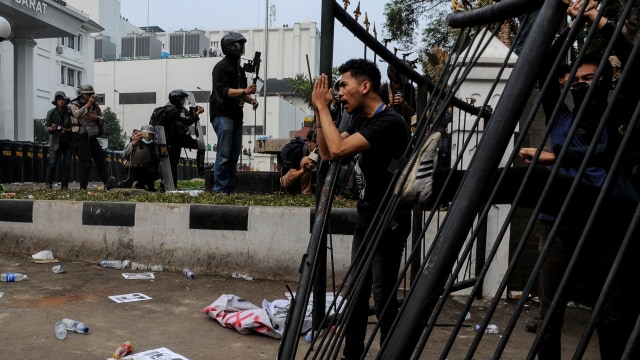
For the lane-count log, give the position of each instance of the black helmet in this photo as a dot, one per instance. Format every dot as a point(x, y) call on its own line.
point(176, 98)
point(233, 44)
point(86, 89)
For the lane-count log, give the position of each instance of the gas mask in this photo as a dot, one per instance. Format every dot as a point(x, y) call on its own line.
point(595, 107)
point(598, 97)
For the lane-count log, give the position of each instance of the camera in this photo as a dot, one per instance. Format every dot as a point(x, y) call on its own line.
point(397, 93)
point(99, 98)
point(314, 156)
point(60, 128)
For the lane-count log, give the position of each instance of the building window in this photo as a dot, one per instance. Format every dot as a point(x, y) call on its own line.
point(63, 74)
point(71, 42)
point(79, 47)
point(79, 77)
point(71, 77)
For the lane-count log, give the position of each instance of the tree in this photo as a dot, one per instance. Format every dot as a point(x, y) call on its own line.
point(112, 130)
point(40, 133)
point(302, 87)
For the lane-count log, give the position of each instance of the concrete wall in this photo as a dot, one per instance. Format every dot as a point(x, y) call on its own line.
point(262, 241)
point(265, 242)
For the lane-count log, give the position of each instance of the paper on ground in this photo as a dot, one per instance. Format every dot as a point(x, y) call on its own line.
point(139, 276)
point(129, 297)
point(155, 354)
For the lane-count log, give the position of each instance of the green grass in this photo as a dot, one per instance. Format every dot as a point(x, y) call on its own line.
point(40, 192)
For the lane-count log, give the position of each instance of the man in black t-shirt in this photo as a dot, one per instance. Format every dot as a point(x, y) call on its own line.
point(229, 93)
point(376, 136)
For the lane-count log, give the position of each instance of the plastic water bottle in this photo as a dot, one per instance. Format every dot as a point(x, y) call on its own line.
point(123, 350)
point(188, 273)
point(61, 330)
point(11, 277)
point(309, 336)
point(117, 264)
point(76, 326)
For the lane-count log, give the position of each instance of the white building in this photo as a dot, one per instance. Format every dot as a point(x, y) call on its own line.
point(57, 45)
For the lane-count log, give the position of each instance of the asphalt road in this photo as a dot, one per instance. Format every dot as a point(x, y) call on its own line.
point(173, 317)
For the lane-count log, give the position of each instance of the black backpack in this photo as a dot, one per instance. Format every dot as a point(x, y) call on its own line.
point(291, 152)
point(158, 115)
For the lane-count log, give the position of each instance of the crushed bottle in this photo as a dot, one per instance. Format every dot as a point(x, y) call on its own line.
point(123, 350)
point(188, 273)
point(61, 330)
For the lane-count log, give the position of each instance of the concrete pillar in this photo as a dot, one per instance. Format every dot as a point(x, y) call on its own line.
point(475, 89)
point(23, 88)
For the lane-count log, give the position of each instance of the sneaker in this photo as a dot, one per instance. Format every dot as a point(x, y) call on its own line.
point(419, 183)
point(111, 183)
point(428, 161)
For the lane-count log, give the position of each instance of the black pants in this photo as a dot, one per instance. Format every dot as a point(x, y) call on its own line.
point(380, 277)
point(175, 144)
point(87, 149)
point(143, 176)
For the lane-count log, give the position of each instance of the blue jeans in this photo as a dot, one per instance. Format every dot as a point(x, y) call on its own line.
point(64, 151)
point(229, 133)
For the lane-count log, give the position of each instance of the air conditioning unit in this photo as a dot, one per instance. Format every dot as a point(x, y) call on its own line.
point(59, 49)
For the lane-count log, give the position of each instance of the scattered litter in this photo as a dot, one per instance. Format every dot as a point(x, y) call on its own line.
point(43, 255)
point(159, 353)
point(468, 316)
point(139, 276)
point(58, 269)
point(515, 295)
point(157, 268)
point(125, 263)
point(129, 297)
point(138, 266)
point(14, 264)
point(193, 193)
point(117, 264)
point(237, 313)
point(239, 275)
point(1, 294)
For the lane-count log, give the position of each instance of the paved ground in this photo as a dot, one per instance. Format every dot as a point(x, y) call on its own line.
point(171, 319)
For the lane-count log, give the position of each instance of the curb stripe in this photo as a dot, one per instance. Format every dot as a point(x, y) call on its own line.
point(16, 211)
point(108, 214)
point(218, 217)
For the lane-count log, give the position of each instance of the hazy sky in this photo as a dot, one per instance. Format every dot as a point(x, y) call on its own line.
point(172, 15)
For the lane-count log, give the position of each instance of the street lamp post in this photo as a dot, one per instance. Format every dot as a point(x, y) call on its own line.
point(123, 128)
point(207, 126)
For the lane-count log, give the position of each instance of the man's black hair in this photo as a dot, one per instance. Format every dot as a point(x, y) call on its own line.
point(563, 70)
point(311, 136)
point(607, 72)
point(363, 69)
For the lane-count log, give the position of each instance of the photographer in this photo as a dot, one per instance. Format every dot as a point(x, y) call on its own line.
point(58, 123)
point(303, 161)
point(142, 160)
point(87, 124)
point(181, 114)
point(399, 94)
